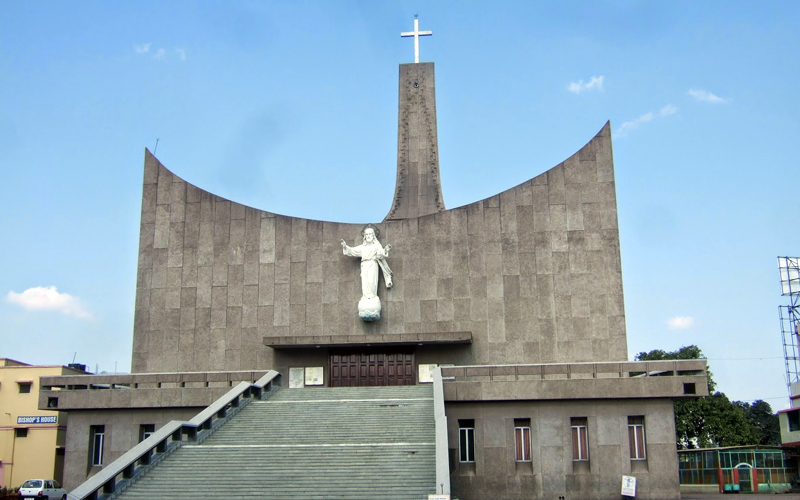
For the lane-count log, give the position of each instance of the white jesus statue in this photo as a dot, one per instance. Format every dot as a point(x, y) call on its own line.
point(373, 261)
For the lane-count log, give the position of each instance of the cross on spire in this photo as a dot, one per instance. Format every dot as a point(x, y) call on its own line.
point(416, 34)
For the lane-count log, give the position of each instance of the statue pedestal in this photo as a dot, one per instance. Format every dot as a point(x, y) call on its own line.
point(369, 309)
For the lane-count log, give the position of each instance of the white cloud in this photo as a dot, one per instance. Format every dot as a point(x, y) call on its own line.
point(680, 323)
point(669, 109)
point(594, 83)
point(49, 299)
point(159, 53)
point(705, 96)
point(627, 127)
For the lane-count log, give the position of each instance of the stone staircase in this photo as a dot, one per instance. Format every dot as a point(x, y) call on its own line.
point(313, 443)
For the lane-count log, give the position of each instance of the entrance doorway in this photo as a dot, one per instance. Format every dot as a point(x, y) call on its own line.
point(361, 367)
point(745, 478)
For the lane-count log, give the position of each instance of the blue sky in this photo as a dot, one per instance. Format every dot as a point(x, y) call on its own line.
point(290, 106)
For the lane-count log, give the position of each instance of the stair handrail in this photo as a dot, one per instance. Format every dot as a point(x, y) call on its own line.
point(166, 439)
point(442, 453)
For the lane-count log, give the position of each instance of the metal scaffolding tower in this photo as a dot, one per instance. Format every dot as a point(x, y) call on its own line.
point(790, 321)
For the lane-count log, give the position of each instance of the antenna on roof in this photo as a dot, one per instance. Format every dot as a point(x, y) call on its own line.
point(75, 356)
point(155, 148)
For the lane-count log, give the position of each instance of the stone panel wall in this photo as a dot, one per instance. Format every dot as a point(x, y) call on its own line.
point(121, 434)
point(533, 272)
point(552, 471)
point(418, 190)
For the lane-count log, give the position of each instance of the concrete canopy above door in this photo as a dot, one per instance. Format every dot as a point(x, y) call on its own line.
point(369, 340)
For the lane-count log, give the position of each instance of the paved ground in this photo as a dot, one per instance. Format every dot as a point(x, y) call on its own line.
point(760, 496)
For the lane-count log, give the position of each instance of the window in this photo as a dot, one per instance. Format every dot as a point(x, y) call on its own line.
point(794, 420)
point(21, 432)
point(145, 431)
point(97, 439)
point(522, 439)
point(466, 440)
point(580, 439)
point(636, 438)
point(24, 387)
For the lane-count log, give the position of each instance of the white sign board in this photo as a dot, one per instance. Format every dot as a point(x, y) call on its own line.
point(296, 378)
point(426, 373)
point(628, 486)
point(314, 375)
point(440, 496)
point(50, 419)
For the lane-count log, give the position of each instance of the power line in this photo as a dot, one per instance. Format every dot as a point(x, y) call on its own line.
point(743, 359)
point(764, 399)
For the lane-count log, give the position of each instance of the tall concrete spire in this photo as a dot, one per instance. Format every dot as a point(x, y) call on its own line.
point(418, 190)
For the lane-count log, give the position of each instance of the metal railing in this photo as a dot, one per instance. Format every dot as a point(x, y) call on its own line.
point(123, 471)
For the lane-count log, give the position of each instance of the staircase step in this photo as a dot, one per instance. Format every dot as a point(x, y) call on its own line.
point(319, 443)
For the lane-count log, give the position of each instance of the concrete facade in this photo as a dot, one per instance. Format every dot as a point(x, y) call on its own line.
point(122, 404)
point(789, 421)
point(493, 400)
point(122, 429)
point(418, 190)
point(551, 472)
point(521, 291)
point(532, 273)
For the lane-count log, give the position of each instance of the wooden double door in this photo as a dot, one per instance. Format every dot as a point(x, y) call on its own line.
point(352, 368)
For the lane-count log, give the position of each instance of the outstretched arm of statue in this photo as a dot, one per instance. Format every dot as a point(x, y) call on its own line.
point(386, 250)
point(350, 251)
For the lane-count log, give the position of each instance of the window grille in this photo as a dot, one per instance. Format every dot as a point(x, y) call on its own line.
point(580, 439)
point(466, 440)
point(97, 440)
point(636, 438)
point(522, 439)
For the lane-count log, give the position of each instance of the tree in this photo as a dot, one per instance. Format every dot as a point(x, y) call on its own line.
point(765, 420)
point(714, 420)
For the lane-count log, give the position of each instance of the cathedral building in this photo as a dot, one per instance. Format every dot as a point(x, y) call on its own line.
point(517, 300)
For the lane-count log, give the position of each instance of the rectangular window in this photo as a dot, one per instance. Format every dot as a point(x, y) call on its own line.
point(794, 420)
point(522, 439)
point(21, 432)
point(466, 440)
point(636, 438)
point(145, 431)
point(580, 439)
point(24, 387)
point(96, 441)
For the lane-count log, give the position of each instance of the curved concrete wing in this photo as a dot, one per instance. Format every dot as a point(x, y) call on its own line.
point(531, 275)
